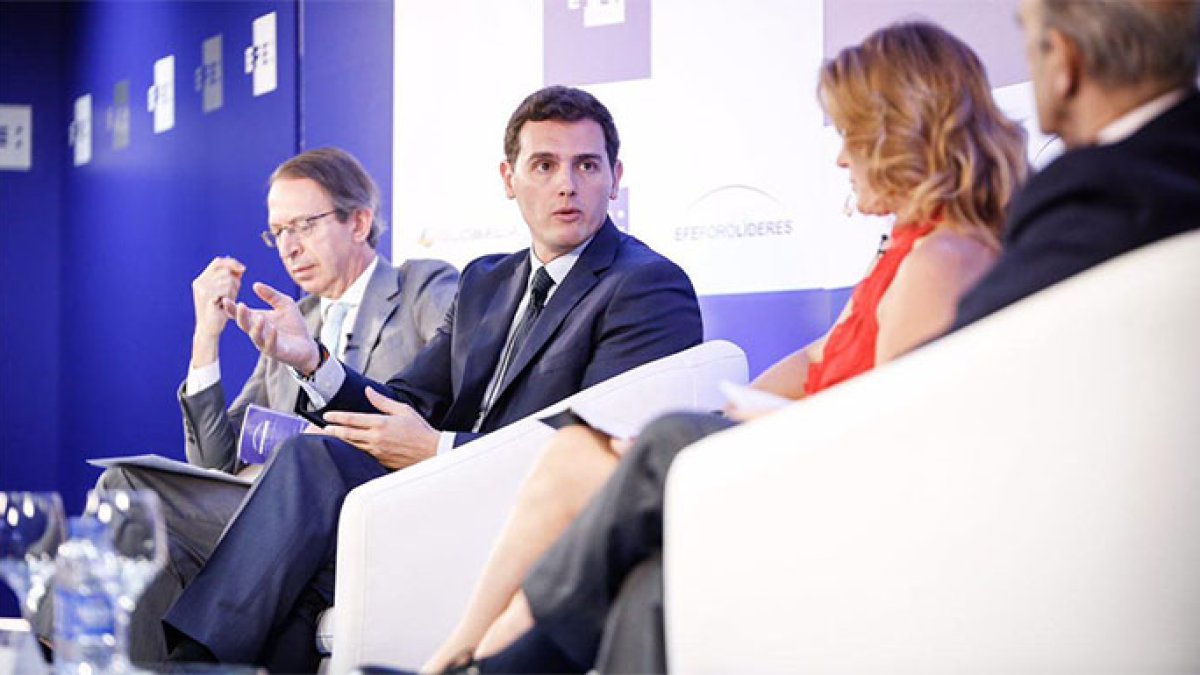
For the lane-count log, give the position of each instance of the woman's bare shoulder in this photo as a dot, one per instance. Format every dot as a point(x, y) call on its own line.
point(948, 252)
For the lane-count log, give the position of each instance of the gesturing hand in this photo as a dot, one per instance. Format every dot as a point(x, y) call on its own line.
point(279, 332)
point(397, 438)
point(221, 279)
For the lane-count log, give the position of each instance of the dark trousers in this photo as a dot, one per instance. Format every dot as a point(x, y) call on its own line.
point(572, 588)
point(257, 599)
point(635, 634)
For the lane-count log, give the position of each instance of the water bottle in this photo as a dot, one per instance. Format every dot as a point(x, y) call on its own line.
point(84, 622)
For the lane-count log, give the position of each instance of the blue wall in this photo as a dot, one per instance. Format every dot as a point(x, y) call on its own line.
point(142, 221)
point(96, 261)
point(31, 217)
point(30, 239)
point(769, 326)
point(346, 84)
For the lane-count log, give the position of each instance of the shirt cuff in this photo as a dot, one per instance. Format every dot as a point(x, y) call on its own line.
point(324, 384)
point(445, 442)
point(199, 379)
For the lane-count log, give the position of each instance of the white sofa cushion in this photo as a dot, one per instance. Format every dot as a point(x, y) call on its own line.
point(1022, 496)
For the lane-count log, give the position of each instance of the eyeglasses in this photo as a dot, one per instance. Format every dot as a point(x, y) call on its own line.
point(297, 227)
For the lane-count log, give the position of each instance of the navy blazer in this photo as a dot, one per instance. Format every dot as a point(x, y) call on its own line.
point(1095, 203)
point(621, 305)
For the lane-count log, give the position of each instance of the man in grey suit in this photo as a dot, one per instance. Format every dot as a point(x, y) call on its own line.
point(324, 221)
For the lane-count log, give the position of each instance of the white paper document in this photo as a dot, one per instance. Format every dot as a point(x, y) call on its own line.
point(169, 465)
point(752, 401)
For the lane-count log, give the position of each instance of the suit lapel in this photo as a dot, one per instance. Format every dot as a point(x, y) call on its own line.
point(597, 257)
point(378, 304)
point(488, 341)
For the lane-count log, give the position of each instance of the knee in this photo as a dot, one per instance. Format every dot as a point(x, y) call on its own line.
point(313, 457)
point(574, 457)
point(666, 436)
point(294, 457)
point(569, 449)
point(302, 449)
point(114, 478)
point(668, 426)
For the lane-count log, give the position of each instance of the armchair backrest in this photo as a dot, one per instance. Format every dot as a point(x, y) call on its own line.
point(1021, 496)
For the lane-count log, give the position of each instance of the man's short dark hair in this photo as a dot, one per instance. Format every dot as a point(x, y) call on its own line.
point(344, 178)
point(560, 104)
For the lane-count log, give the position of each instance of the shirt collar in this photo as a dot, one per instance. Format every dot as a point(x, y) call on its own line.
point(1128, 124)
point(560, 266)
point(354, 295)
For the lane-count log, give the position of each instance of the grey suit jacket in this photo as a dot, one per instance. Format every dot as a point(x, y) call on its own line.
point(402, 309)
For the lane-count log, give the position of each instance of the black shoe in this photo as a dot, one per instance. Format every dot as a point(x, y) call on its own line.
point(47, 648)
point(188, 650)
point(463, 664)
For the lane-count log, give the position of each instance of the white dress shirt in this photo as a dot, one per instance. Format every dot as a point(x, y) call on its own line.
point(1131, 122)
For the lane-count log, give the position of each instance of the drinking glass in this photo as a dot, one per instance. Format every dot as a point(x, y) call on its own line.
point(138, 535)
point(32, 526)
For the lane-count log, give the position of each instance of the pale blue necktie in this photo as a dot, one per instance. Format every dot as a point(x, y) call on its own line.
point(331, 329)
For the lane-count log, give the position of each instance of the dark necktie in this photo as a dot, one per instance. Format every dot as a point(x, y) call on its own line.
point(538, 290)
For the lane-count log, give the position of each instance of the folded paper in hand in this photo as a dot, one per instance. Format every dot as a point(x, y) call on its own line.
point(617, 427)
point(263, 430)
point(752, 401)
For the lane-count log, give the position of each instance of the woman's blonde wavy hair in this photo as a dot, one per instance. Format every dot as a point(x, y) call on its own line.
point(915, 102)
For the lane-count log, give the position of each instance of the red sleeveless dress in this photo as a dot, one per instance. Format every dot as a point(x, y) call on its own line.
point(850, 349)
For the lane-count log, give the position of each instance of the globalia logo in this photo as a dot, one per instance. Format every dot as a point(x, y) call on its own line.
point(595, 41)
point(432, 236)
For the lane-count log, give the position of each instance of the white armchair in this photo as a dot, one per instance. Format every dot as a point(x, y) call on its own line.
point(412, 544)
point(1020, 497)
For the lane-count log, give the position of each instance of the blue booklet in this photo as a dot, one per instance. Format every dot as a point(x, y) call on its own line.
point(263, 430)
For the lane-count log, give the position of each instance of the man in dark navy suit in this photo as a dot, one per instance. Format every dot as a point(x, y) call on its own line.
point(583, 304)
point(1116, 80)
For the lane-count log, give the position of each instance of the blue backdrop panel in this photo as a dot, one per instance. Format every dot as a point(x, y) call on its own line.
point(142, 221)
point(30, 238)
point(769, 326)
point(30, 225)
point(346, 85)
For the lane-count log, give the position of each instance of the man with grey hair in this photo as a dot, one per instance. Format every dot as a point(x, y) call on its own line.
point(324, 221)
point(1116, 80)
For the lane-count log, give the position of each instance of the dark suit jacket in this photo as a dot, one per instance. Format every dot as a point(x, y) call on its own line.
point(401, 311)
point(621, 305)
point(1093, 204)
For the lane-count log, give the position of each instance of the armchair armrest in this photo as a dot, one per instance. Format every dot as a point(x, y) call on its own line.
point(412, 544)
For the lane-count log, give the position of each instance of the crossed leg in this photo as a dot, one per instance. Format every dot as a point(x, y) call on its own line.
point(572, 468)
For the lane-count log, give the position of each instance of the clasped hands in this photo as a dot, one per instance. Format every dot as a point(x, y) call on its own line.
point(396, 437)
